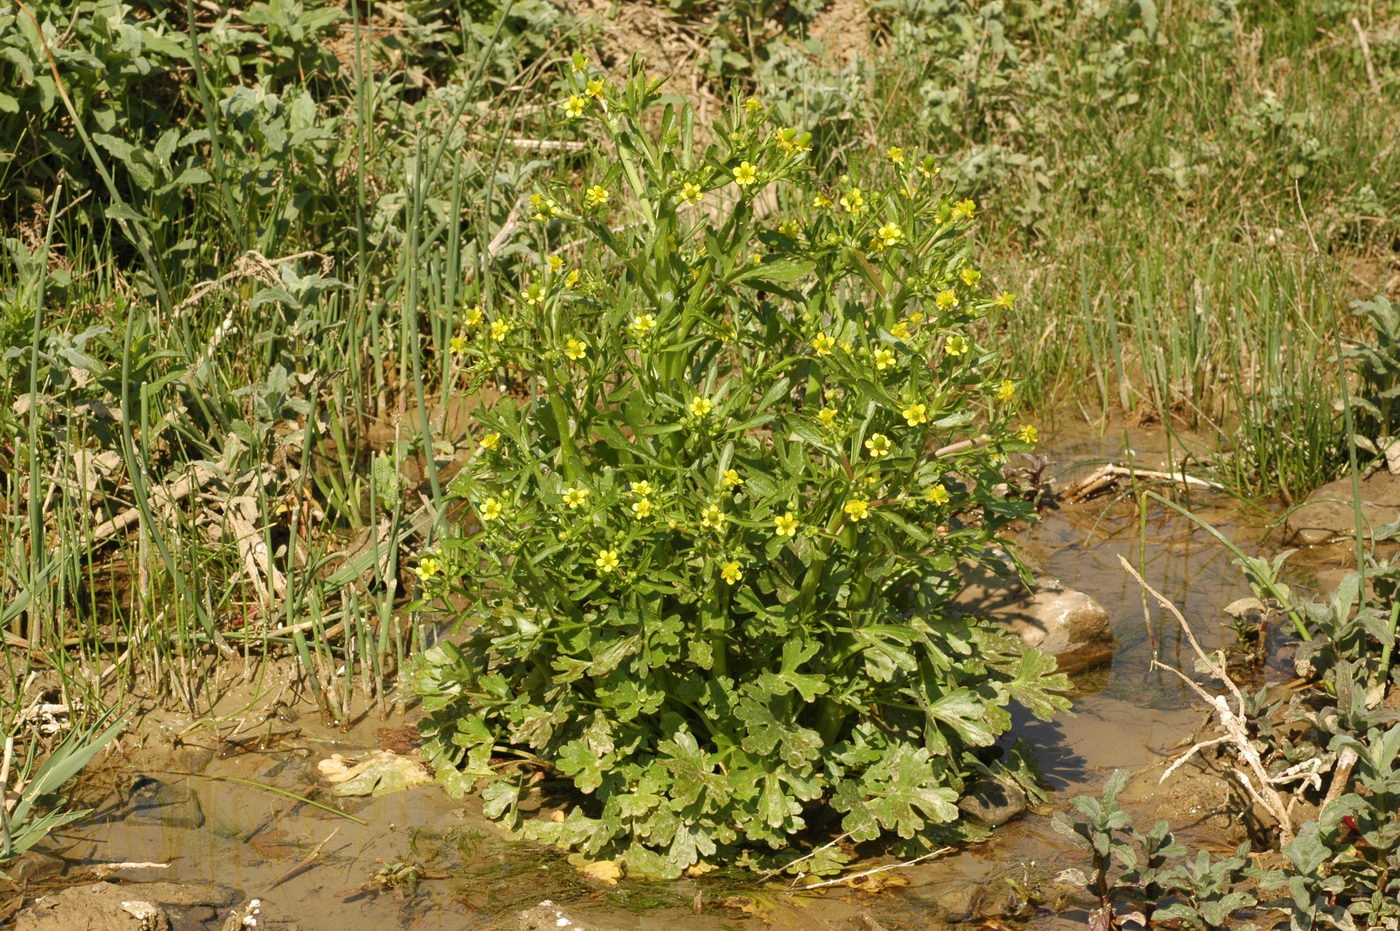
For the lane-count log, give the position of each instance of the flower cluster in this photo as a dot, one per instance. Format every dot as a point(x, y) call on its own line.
point(717, 538)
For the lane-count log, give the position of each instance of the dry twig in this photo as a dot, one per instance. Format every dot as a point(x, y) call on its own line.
point(1107, 476)
point(1261, 788)
point(879, 869)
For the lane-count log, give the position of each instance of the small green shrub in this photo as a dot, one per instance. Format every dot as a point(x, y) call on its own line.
point(716, 544)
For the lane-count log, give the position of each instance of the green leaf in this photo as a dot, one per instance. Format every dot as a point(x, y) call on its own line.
point(764, 731)
point(901, 793)
point(788, 679)
point(693, 771)
point(1038, 687)
point(966, 715)
point(499, 797)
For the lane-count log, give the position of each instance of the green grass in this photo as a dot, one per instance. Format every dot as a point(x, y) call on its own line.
point(1181, 207)
point(1184, 208)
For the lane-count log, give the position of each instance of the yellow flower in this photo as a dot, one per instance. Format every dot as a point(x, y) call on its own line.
point(491, 441)
point(857, 509)
point(955, 345)
point(937, 494)
point(752, 105)
point(1027, 434)
point(595, 88)
point(853, 202)
point(642, 508)
point(731, 479)
point(699, 407)
point(731, 571)
point(877, 445)
point(745, 174)
point(642, 489)
point(457, 345)
point(607, 561)
point(555, 263)
point(916, 318)
point(970, 276)
point(822, 344)
point(827, 415)
point(576, 497)
point(895, 154)
point(643, 324)
point(946, 299)
point(578, 62)
point(571, 278)
point(1004, 300)
point(916, 414)
point(533, 293)
point(596, 196)
point(928, 167)
point(820, 201)
point(490, 510)
point(690, 192)
point(573, 107)
point(790, 228)
point(1006, 390)
point(900, 330)
point(786, 525)
point(964, 208)
point(712, 517)
point(427, 568)
point(575, 349)
point(889, 234)
point(474, 316)
point(790, 141)
point(884, 358)
point(500, 330)
point(545, 207)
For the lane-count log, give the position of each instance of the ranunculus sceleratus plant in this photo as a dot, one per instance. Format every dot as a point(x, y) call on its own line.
point(715, 541)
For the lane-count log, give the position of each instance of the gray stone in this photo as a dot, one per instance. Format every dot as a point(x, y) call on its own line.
point(169, 804)
point(993, 802)
point(1327, 514)
point(1052, 618)
point(549, 917)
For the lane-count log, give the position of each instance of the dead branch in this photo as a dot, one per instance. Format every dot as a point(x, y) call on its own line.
point(1107, 476)
point(1261, 788)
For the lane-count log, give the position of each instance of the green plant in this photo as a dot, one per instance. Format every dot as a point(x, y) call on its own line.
point(1378, 364)
point(38, 808)
point(722, 512)
point(1100, 831)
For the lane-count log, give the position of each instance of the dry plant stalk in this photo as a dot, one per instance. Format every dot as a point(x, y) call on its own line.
point(1261, 787)
point(1107, 476)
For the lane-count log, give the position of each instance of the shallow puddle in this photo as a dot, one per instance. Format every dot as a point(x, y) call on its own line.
point(421, 860)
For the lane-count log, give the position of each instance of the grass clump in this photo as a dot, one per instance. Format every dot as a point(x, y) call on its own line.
point(716, 552)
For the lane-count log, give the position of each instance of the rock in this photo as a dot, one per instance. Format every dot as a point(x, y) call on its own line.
point(956, 902)
point(96, 907)
point(1067, 624)
point(993, 802)
point(33, 865)
point(1327, 514)
point(548, 917)
point(169, 804)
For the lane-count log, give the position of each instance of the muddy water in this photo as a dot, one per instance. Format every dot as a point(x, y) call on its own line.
point(424, 861)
